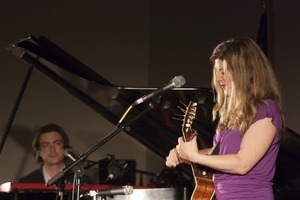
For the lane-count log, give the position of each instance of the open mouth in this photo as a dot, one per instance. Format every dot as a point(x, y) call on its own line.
point(222, 86)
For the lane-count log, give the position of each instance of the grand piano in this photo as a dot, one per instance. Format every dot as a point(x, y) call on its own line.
point(155, 116)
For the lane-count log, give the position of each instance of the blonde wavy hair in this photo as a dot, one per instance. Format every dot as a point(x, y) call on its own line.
point(252, 81)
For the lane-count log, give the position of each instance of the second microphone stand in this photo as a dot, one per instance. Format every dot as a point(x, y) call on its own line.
point(56, 179)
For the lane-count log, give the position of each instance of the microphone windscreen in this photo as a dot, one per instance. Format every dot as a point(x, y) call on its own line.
point(178, 81)
point(67, 151)
point(128, 190)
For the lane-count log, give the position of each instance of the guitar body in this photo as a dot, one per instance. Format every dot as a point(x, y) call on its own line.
point(204, 186)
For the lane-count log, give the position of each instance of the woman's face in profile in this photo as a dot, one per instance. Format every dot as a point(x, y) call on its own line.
point(221, 76)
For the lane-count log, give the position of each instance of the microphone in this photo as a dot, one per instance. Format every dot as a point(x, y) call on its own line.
point(124, 190)
point(69, 153)
point(116, 168)
point(78, 170)
point(177, 81)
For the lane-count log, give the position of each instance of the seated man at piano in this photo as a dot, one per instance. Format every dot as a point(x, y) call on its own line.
point(49, 146)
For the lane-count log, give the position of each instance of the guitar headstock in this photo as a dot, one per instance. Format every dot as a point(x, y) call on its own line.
point(189, 116)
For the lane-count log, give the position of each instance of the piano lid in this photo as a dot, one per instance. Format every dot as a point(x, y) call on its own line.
point(156, 129)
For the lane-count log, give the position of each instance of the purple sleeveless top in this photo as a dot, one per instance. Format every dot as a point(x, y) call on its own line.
point(257, 183)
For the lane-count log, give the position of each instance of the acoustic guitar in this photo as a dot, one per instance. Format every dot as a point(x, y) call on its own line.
point(204, 186)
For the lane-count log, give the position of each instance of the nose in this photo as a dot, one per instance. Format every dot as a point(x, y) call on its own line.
point(219, 76)
point(52, 147)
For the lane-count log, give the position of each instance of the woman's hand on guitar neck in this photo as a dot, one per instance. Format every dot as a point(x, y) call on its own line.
point(187, 150)
point(173, 159)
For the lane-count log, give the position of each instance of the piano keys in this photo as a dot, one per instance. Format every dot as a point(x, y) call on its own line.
point(38, 191)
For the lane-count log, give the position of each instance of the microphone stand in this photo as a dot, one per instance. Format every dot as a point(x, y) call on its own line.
point(84, 156)
point(78, 173)
point(61, 188)
point(78, 183)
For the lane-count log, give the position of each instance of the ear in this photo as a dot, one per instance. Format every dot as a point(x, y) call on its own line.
point(38, 154)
